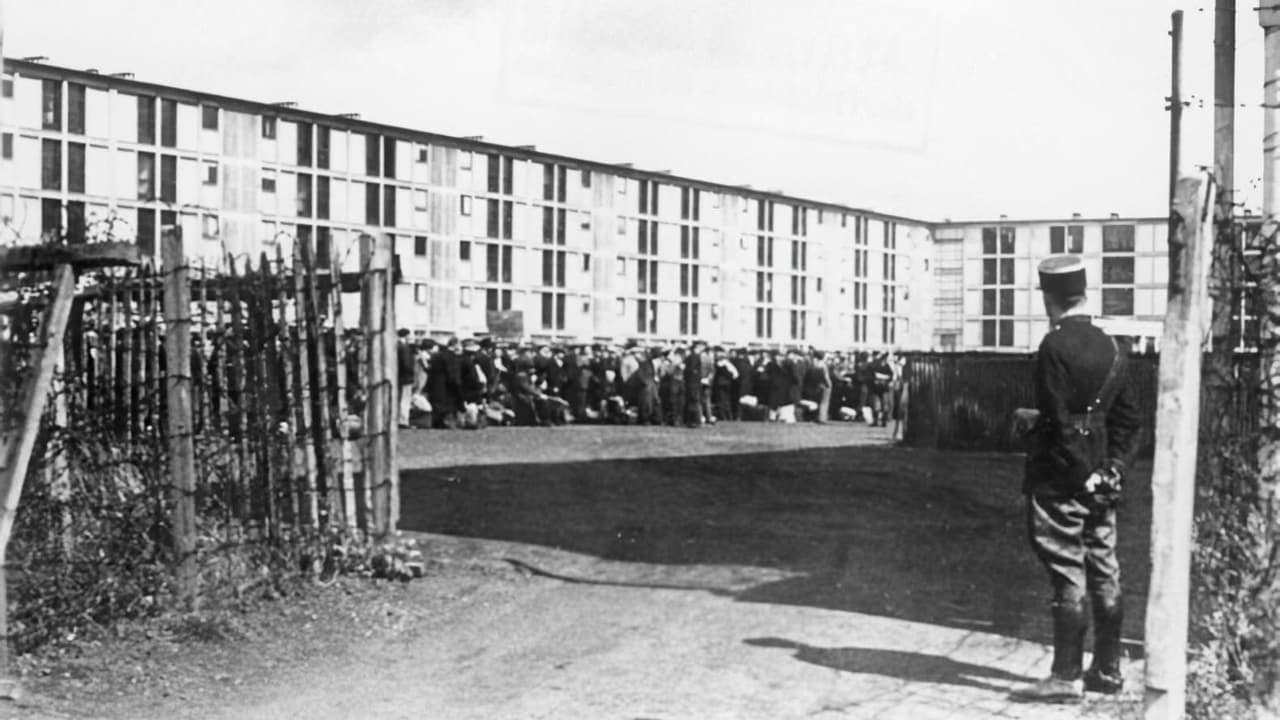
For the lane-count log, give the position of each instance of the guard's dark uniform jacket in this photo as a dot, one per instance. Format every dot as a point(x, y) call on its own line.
point(1072, 363)
point(1071, 532)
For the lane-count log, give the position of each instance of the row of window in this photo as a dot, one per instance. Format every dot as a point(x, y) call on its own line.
point(1003, 240)
point(313, 142)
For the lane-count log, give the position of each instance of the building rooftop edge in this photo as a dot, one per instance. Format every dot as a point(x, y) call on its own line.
point(1066, 220)
point(38, 69)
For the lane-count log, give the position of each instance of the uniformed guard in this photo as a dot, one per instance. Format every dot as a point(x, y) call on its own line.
point(1079, 449)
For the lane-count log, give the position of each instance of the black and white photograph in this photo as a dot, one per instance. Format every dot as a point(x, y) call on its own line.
point(639, 360)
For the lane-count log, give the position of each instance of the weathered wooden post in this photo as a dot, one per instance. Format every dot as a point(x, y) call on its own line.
point(17, 449)
point(181, 443)
point(21, 424)
point(1173, 473)
point(348, 498)
point(391, 358)
point(381, 482)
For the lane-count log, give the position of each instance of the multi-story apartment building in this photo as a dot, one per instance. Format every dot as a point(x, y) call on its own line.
point(987, 293)
point(581, 250)
point(585, 251)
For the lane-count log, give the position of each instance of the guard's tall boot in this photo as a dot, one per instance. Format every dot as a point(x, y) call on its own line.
point(1104, 675)
point(1063, 684)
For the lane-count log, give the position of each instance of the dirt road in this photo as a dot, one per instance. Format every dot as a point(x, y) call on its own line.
point(738, 572)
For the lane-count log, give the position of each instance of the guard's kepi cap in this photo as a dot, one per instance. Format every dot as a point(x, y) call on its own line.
point(1062, 275)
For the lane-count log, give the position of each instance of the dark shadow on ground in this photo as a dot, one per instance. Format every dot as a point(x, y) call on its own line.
point(897, 664)
point(918, 535)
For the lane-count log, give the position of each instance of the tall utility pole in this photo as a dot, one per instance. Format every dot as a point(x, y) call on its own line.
point(1175, 104)
point(1269, 287)
point(1224, 103)
point(1219, 380)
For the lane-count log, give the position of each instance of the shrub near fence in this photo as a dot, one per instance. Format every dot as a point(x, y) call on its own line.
point(965, 401)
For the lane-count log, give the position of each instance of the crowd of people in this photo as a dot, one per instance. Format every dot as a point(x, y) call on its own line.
point(473, 383)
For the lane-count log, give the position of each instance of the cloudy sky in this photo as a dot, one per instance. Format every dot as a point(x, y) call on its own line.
point(960, 109)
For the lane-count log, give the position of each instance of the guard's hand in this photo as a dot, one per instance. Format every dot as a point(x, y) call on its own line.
point(1095, 482)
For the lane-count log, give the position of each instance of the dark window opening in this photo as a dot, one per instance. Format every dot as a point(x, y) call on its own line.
point(147, 231)
point(495, 172)
point(304, 195)
point(492, 262)
point(371, 198)
point(1117, 270)
point(389, 218)
point(169, 123)
point(50, 219)
point(146, 120)
point(324, 247)
point(75, 222)
point(1117, 301)
point(51, 115)
point(322, 197)
point(304, 144)
point(389, 157)
point(50, 165)
point(491, 228)
point(322, 147)
point(1117, 238)
point(168, 178)
point(75, 108)
point(146, 176)
point(371, 166)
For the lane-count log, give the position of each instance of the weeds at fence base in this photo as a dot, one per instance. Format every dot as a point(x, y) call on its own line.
point(95, 552)
point(1235, 632)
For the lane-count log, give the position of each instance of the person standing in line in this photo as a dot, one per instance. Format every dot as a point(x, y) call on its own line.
point(693, 376)
point(444, 385)
point(822, 378)
point(881, 380)
point(1080, 447)
point(901, 394)
point(725, 377)
point(645, 381)
point(406, 359)
point(744, 381)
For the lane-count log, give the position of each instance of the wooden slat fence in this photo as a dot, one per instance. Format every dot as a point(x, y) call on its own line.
point(965, 401)
point(286, 451)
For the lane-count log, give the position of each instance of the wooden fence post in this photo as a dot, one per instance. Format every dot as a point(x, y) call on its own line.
point(321, 429)
point(368, 370)
point(391, 356)
point(348, 495)
point(380, 406)
point(1173, 473)
point(304, 340)
point(16, 451)
point(177, 348)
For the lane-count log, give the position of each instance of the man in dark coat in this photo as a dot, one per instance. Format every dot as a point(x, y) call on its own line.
point(693, 386)
point(1072, 482)
point(722, 386)
point(744, 384)
point(444, 385)
point(406, 355)
point(645, 384)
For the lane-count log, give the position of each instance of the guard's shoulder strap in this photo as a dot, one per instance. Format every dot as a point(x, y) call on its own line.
point(1112, 374)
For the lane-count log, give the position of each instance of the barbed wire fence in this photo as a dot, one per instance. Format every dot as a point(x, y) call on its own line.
point(291, 429)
